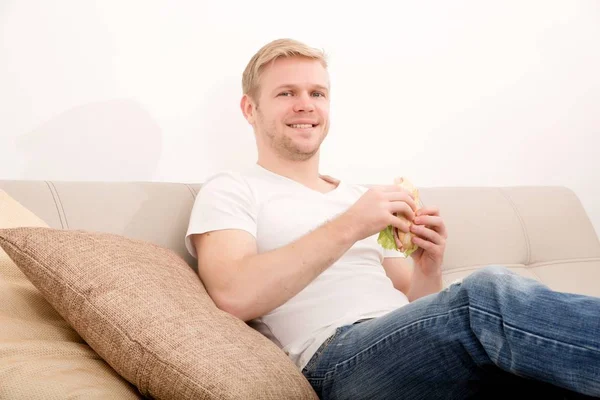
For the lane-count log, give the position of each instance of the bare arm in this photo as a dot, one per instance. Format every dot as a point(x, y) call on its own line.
point(422, 284)
point(248, 285)
point(409, 280)
point(400, 272)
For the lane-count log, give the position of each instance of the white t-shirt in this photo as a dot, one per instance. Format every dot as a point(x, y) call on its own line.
point(277, 210)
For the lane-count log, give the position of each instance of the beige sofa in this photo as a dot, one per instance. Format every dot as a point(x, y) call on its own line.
point(540, 232)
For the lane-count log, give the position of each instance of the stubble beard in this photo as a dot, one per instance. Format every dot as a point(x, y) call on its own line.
point(285, 147)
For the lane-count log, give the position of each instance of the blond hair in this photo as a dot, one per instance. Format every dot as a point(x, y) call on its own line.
point(280, 48)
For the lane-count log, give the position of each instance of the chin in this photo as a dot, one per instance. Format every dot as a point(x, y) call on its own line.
point(307, 152)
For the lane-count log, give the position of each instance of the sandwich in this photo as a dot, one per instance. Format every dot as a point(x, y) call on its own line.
point(390, 236)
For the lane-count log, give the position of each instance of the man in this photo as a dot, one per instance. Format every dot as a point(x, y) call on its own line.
point(294, 253)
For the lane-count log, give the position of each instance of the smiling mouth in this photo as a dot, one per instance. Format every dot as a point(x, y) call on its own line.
point(303, 126)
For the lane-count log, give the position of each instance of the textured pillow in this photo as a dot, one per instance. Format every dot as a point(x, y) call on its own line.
point(144, 310)
point(41, 356)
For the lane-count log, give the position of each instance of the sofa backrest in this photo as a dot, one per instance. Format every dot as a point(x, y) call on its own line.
point(538, 231)
point(154, 211)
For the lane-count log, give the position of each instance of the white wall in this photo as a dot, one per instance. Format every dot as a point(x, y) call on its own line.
point(445, 93)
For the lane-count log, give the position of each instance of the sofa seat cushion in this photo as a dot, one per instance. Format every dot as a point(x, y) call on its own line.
point(579, 276)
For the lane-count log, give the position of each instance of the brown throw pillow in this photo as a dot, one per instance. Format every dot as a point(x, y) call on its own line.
point(41, 356)
point(145, 311)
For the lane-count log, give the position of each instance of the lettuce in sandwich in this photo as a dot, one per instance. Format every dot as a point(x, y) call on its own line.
point(390, 235)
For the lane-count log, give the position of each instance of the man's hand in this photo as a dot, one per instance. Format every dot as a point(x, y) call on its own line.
point(379, 207)
point(430, 235)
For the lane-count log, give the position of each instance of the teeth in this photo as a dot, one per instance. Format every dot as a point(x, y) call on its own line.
point(301, 126)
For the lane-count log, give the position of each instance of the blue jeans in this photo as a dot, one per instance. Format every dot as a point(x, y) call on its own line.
point(494, 334)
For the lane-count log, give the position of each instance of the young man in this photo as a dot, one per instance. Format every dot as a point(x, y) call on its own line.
point(295, 254)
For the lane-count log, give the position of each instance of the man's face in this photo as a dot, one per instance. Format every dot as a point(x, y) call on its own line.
point(292, 114)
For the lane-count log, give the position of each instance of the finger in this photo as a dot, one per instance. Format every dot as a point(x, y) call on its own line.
point(395, 190)
point(424, 244)
point(402, 209)
point(427, 233)
point(428, 211)
point(400, 223)
point(429, 220)
point(402, 196)
point(392, 188)
point(397, 240)
point(434, 222)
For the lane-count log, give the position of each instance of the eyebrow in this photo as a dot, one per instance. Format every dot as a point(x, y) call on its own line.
point(292, 86)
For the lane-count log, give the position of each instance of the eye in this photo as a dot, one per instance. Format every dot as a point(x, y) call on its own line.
point(318, 94)
point(285, 94)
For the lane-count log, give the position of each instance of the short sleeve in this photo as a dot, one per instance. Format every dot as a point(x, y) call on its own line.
point(224, 201)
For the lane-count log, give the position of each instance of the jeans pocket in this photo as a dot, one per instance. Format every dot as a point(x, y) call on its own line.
point(308, 370)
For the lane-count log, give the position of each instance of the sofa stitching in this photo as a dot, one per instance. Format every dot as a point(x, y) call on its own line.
point(55, 205)
point(523, 228)
point(61, 205)
point(478, 266)
point(527, 267)
point(566, 260)
point(532, 272)
point(191, 190)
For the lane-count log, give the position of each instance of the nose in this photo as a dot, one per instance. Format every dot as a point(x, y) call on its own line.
point(304, 103)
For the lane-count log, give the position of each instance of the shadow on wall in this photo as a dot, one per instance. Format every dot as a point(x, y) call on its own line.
point(116, 140)
point(4, 6)
point(227, 138)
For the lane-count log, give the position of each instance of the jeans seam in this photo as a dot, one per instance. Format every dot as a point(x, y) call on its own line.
point(315, 358)
point(537, 335)
point(394, 333)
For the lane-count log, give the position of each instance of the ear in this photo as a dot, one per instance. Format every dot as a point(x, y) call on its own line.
point(248, 108)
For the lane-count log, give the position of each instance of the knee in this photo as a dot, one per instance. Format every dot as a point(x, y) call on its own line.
point(489, 276)
point(494, 270)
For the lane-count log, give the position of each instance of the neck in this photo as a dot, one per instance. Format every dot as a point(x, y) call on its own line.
point(305, 172)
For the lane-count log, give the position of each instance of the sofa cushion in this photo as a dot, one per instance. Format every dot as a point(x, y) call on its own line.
point(144, 310)
point(41, 356)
